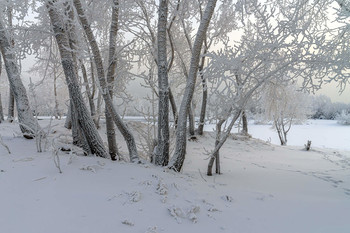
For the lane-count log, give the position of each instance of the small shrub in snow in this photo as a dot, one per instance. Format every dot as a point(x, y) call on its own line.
point(344, 118)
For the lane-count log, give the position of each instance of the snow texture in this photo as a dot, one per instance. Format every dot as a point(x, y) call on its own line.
point(263, 188)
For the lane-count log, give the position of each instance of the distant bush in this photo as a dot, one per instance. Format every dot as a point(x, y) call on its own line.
point(344, 118)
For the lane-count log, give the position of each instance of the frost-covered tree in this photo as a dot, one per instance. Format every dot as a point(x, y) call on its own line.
point(90, 134)
point(123, 128)
point(180, 147)
point(28, 123)
point(344, 117)
point(277, 39)
point(11, 101)
point(323, 108)
point(284, 105)
point(162, 149)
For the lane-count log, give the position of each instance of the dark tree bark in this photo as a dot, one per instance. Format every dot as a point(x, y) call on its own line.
point(244, 123)
point(191, 122)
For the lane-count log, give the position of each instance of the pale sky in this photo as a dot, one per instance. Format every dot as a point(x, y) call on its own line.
point(332, 91)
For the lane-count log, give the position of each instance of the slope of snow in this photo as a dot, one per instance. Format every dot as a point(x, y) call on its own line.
point(263, 188)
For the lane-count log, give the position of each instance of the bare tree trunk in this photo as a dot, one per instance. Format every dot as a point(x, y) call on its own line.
point(89, 94)
point(56, 111)
point(128, 136)
point(191, 121)
point(1, 110)
point(204, 99)
point(219, 142)
point(244, 123)
point(11, 106)
point(93, 91)
point(11, 103)
point(68, 122)
point(216, 154)
point(28, 123)
point(162, 151)
point(180, 147)
point(173, 107)
point(112, 63)
point(98, 109)
point(85, 121)
point(78, 136)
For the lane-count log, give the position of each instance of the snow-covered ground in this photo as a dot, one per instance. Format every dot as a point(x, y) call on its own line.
point(322, 133)
point(263, 188)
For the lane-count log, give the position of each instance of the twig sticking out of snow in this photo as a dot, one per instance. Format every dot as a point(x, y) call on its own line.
point(227, 198)
point(4, 145)
point(127, 222)
point(56, 160)
point(152, 230)
point(201, 175)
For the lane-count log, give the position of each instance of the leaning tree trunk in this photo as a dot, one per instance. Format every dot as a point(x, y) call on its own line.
point(162, 151)
point(180, 147)
point(78, 134)
point(85, 121)
point(28, 124)
point(216, 155)
point(128, 136)
point(79, 138)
